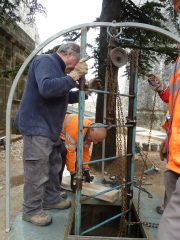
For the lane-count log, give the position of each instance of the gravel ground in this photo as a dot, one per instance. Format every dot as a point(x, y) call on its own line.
point(16, 162)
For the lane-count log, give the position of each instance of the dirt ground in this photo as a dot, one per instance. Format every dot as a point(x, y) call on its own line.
point(155, 180)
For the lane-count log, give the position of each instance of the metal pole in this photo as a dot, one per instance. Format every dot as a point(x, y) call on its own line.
point(104, 222)
point(107, 92)
point(133, 83)
point(80, 141)
point(104, 121)
point(105, 191)
point(8, 131)
point(106, 159)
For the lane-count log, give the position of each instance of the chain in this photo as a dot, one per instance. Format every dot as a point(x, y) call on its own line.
point(122, 149)
point(146, 155)
point(147, 224)
point(150, 128)
point(112, 86)
point(113, 102)
point(120, 109)
point(151, 224)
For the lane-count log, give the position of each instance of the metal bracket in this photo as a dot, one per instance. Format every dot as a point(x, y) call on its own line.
point(79, 183)
point(111, 31)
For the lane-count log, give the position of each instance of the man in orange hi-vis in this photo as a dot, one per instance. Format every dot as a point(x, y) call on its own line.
point(93, 133)
point(169, 228)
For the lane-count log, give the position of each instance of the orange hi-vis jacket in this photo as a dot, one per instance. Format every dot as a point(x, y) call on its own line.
point(174, 112)
point(165, 97)
point(70, 135)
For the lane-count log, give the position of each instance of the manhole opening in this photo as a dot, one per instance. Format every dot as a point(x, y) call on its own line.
point(95, 214)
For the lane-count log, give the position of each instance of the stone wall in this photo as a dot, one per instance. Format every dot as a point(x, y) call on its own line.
point(15, 46)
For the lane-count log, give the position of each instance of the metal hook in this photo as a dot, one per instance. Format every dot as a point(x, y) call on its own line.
point(113, 35)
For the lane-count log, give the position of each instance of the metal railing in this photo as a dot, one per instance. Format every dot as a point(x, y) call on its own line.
point(83, 28)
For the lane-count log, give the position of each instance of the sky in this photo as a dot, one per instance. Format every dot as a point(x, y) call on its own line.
point(62, 14)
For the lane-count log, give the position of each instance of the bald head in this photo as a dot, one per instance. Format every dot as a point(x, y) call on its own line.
point(98, 132)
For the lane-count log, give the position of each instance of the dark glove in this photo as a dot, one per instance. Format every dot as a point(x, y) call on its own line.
point(73, 182)
point(88, 177)
point(95, 83)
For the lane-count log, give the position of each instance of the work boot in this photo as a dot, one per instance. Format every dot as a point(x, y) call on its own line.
point(42, 219)
point(63, 204)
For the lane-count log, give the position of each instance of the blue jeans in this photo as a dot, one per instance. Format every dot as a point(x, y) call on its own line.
point(42, 164)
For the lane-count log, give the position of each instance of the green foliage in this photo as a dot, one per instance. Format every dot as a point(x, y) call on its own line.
point(150, 44)
point(149, 12)
point(10, 10)
point(7, 73)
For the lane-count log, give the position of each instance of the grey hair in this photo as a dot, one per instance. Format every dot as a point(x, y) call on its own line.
point(69, 47)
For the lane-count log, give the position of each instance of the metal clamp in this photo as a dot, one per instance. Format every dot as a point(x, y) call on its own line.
point(78, 183)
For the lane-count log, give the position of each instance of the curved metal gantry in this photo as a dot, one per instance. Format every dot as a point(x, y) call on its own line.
point(83, 28)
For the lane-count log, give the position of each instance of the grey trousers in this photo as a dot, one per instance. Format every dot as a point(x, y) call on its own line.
point(170, 179)
point(169, 228)
point(41, 174)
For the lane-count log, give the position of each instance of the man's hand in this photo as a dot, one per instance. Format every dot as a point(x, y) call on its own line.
point(73, 182)
point(155, 83)
point(88, 177)
point(80, 70)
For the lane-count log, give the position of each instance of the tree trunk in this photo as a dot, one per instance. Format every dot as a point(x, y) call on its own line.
point(110, 11)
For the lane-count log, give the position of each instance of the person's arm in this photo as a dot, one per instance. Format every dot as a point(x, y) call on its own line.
point(158, 86)
point(86, 170)
point(71, 160)
point(51, 80)
point(86, 156)
point(164, 95)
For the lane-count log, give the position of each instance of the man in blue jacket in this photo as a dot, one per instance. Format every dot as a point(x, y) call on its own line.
point(39, 119)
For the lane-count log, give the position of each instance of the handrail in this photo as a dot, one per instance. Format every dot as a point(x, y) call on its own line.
point(25, 64)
